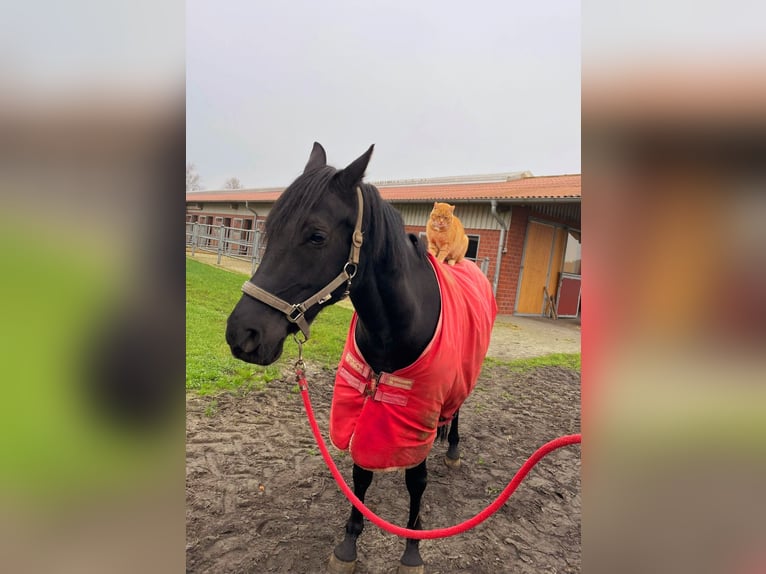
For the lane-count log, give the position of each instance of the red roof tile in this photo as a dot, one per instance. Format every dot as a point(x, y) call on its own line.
point(549, 187)
point(529, 188)
point(229, 196)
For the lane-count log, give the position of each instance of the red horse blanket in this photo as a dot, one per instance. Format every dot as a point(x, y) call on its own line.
point(389, 421)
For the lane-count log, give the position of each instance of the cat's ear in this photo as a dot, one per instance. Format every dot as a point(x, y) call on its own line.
point(354, 172)
point(435, 204)
point(317, 159)
point(452, 209)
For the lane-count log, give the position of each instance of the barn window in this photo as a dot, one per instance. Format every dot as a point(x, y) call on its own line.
point(573, 253)
point(473, 248)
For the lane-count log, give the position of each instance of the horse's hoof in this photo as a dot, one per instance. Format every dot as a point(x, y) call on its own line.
point(404, 569)
point(452, 462)
point(338, 566)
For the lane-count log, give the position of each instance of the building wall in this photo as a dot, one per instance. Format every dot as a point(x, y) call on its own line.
point(510, 275)
point(510, 269)
point(488, 241)
point(472, 215)
point(511, 264)
point(477, 219)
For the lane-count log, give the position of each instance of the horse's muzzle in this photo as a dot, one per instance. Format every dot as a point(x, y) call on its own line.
point(250, 345)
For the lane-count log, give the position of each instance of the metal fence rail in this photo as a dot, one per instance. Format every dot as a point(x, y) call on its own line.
point(234, 242)
point(243, 244)
point(483, 265)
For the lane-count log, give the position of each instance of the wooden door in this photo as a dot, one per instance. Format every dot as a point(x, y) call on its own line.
point(535, 267)
point(557, 260)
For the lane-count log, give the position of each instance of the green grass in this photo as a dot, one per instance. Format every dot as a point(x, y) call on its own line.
point(569, 361)
point(211, 294)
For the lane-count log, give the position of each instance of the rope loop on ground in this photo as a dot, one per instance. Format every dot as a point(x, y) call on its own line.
point(436, 532)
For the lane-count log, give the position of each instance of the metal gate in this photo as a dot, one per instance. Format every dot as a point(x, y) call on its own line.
point(234, 242)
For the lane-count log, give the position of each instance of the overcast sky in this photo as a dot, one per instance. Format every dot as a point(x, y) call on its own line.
point(440, 87)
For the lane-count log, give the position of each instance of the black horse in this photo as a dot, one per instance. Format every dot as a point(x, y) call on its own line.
point(330, 235)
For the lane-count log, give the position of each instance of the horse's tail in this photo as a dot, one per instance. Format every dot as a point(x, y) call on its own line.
point(443, 429)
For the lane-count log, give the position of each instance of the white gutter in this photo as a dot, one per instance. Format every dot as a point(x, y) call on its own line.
point(500, 245)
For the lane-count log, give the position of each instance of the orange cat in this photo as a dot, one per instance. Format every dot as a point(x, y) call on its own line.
point(447, 240)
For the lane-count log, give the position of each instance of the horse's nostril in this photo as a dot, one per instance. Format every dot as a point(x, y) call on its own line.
point(250, 341)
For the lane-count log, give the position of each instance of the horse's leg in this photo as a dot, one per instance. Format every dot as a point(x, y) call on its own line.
point(343, 559)
point(416, 479)
point(453, 438)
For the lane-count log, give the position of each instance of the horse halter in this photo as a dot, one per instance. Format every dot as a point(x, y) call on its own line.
point(295, 313)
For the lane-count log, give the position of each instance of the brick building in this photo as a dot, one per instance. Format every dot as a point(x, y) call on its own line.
point(524, 231)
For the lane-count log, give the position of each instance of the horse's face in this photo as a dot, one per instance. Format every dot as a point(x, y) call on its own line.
point(309, 238)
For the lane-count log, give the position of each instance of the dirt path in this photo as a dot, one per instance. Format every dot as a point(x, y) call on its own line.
point(260, 499)
point(228, 263)
point(522, 337)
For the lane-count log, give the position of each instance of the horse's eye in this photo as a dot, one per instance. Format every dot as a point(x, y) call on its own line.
point(317, 238)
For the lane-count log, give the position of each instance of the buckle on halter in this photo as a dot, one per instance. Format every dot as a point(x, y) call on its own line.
point(354, 268)
point(294, 317)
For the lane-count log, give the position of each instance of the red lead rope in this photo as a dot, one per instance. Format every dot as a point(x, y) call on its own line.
point(437, 532)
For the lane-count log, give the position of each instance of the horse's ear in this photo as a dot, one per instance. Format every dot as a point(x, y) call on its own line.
point(354, 172)
point(317, 159)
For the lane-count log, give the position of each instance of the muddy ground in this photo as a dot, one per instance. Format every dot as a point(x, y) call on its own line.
point(260, 499)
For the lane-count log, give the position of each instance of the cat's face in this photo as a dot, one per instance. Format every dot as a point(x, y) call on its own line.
point(441, 215)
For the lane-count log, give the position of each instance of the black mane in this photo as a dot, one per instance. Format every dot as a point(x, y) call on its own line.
point(384, 228)
point(299, 199)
